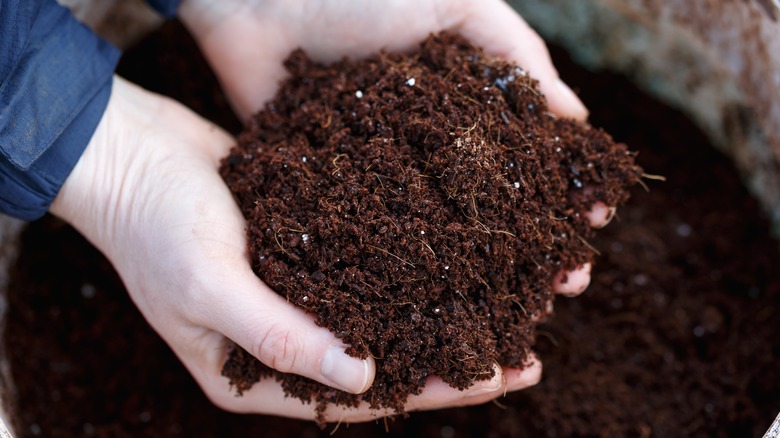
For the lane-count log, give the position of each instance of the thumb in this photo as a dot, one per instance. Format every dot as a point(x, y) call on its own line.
point(495, 26)
point(285, 338)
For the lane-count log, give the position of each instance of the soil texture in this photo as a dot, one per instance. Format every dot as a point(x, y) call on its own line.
point(676, 335)
point(419, 206)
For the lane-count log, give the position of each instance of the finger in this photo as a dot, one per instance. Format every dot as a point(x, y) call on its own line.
point(282, 336)
point(439, 395)
point(495, 26)
point(264, 397)
point(600, 215)
point(248, 72)
point(268, 397)
point(572, 283)
point(519, 379)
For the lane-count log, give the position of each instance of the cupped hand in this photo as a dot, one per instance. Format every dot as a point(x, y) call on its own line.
point(148, 194)
point(246, 42)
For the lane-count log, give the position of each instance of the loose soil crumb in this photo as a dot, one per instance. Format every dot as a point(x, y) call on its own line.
point(419, 206)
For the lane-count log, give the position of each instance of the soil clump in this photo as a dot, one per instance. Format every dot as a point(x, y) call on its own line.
point(419, 206)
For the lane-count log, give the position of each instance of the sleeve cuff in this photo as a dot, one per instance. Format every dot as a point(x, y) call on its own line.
point(166, 8)
point(50, 104)
point(27, 195)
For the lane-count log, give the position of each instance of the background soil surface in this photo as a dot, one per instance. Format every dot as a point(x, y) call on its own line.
point(676, 335)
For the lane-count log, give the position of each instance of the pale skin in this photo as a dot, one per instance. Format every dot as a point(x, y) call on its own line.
point(148, 194)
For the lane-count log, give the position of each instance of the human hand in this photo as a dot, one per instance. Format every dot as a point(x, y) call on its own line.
point(147, 193)
point(246, 42)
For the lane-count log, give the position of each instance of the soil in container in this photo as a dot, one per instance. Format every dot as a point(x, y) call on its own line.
point(673, 338)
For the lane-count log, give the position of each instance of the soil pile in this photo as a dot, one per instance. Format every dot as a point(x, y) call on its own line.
point(420, 207)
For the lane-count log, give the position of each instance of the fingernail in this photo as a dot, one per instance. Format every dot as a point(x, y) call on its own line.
point(581, 277)
point(529, 376)
point(572, 100)
point(610, 215)
point(487, 386)
point(600, 215)
point(345, 372)
point(491, 387)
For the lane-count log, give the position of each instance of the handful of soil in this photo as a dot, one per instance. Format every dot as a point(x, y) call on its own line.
point(419, 206)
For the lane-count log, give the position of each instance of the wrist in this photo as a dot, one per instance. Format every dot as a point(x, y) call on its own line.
point(142, 161)
point(92, 198)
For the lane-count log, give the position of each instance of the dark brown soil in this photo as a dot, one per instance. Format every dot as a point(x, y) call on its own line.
point(676, 335)
point(419, 205)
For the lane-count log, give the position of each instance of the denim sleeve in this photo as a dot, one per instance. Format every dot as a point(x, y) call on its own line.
point(55, 81)
point(167, 8)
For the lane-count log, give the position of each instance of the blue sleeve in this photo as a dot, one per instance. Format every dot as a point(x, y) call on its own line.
point(55, 81)
point(167, 8)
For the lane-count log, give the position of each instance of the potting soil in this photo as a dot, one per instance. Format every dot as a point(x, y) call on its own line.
point(675, 336)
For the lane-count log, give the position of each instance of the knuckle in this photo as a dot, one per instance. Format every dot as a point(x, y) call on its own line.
point(279, 349)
